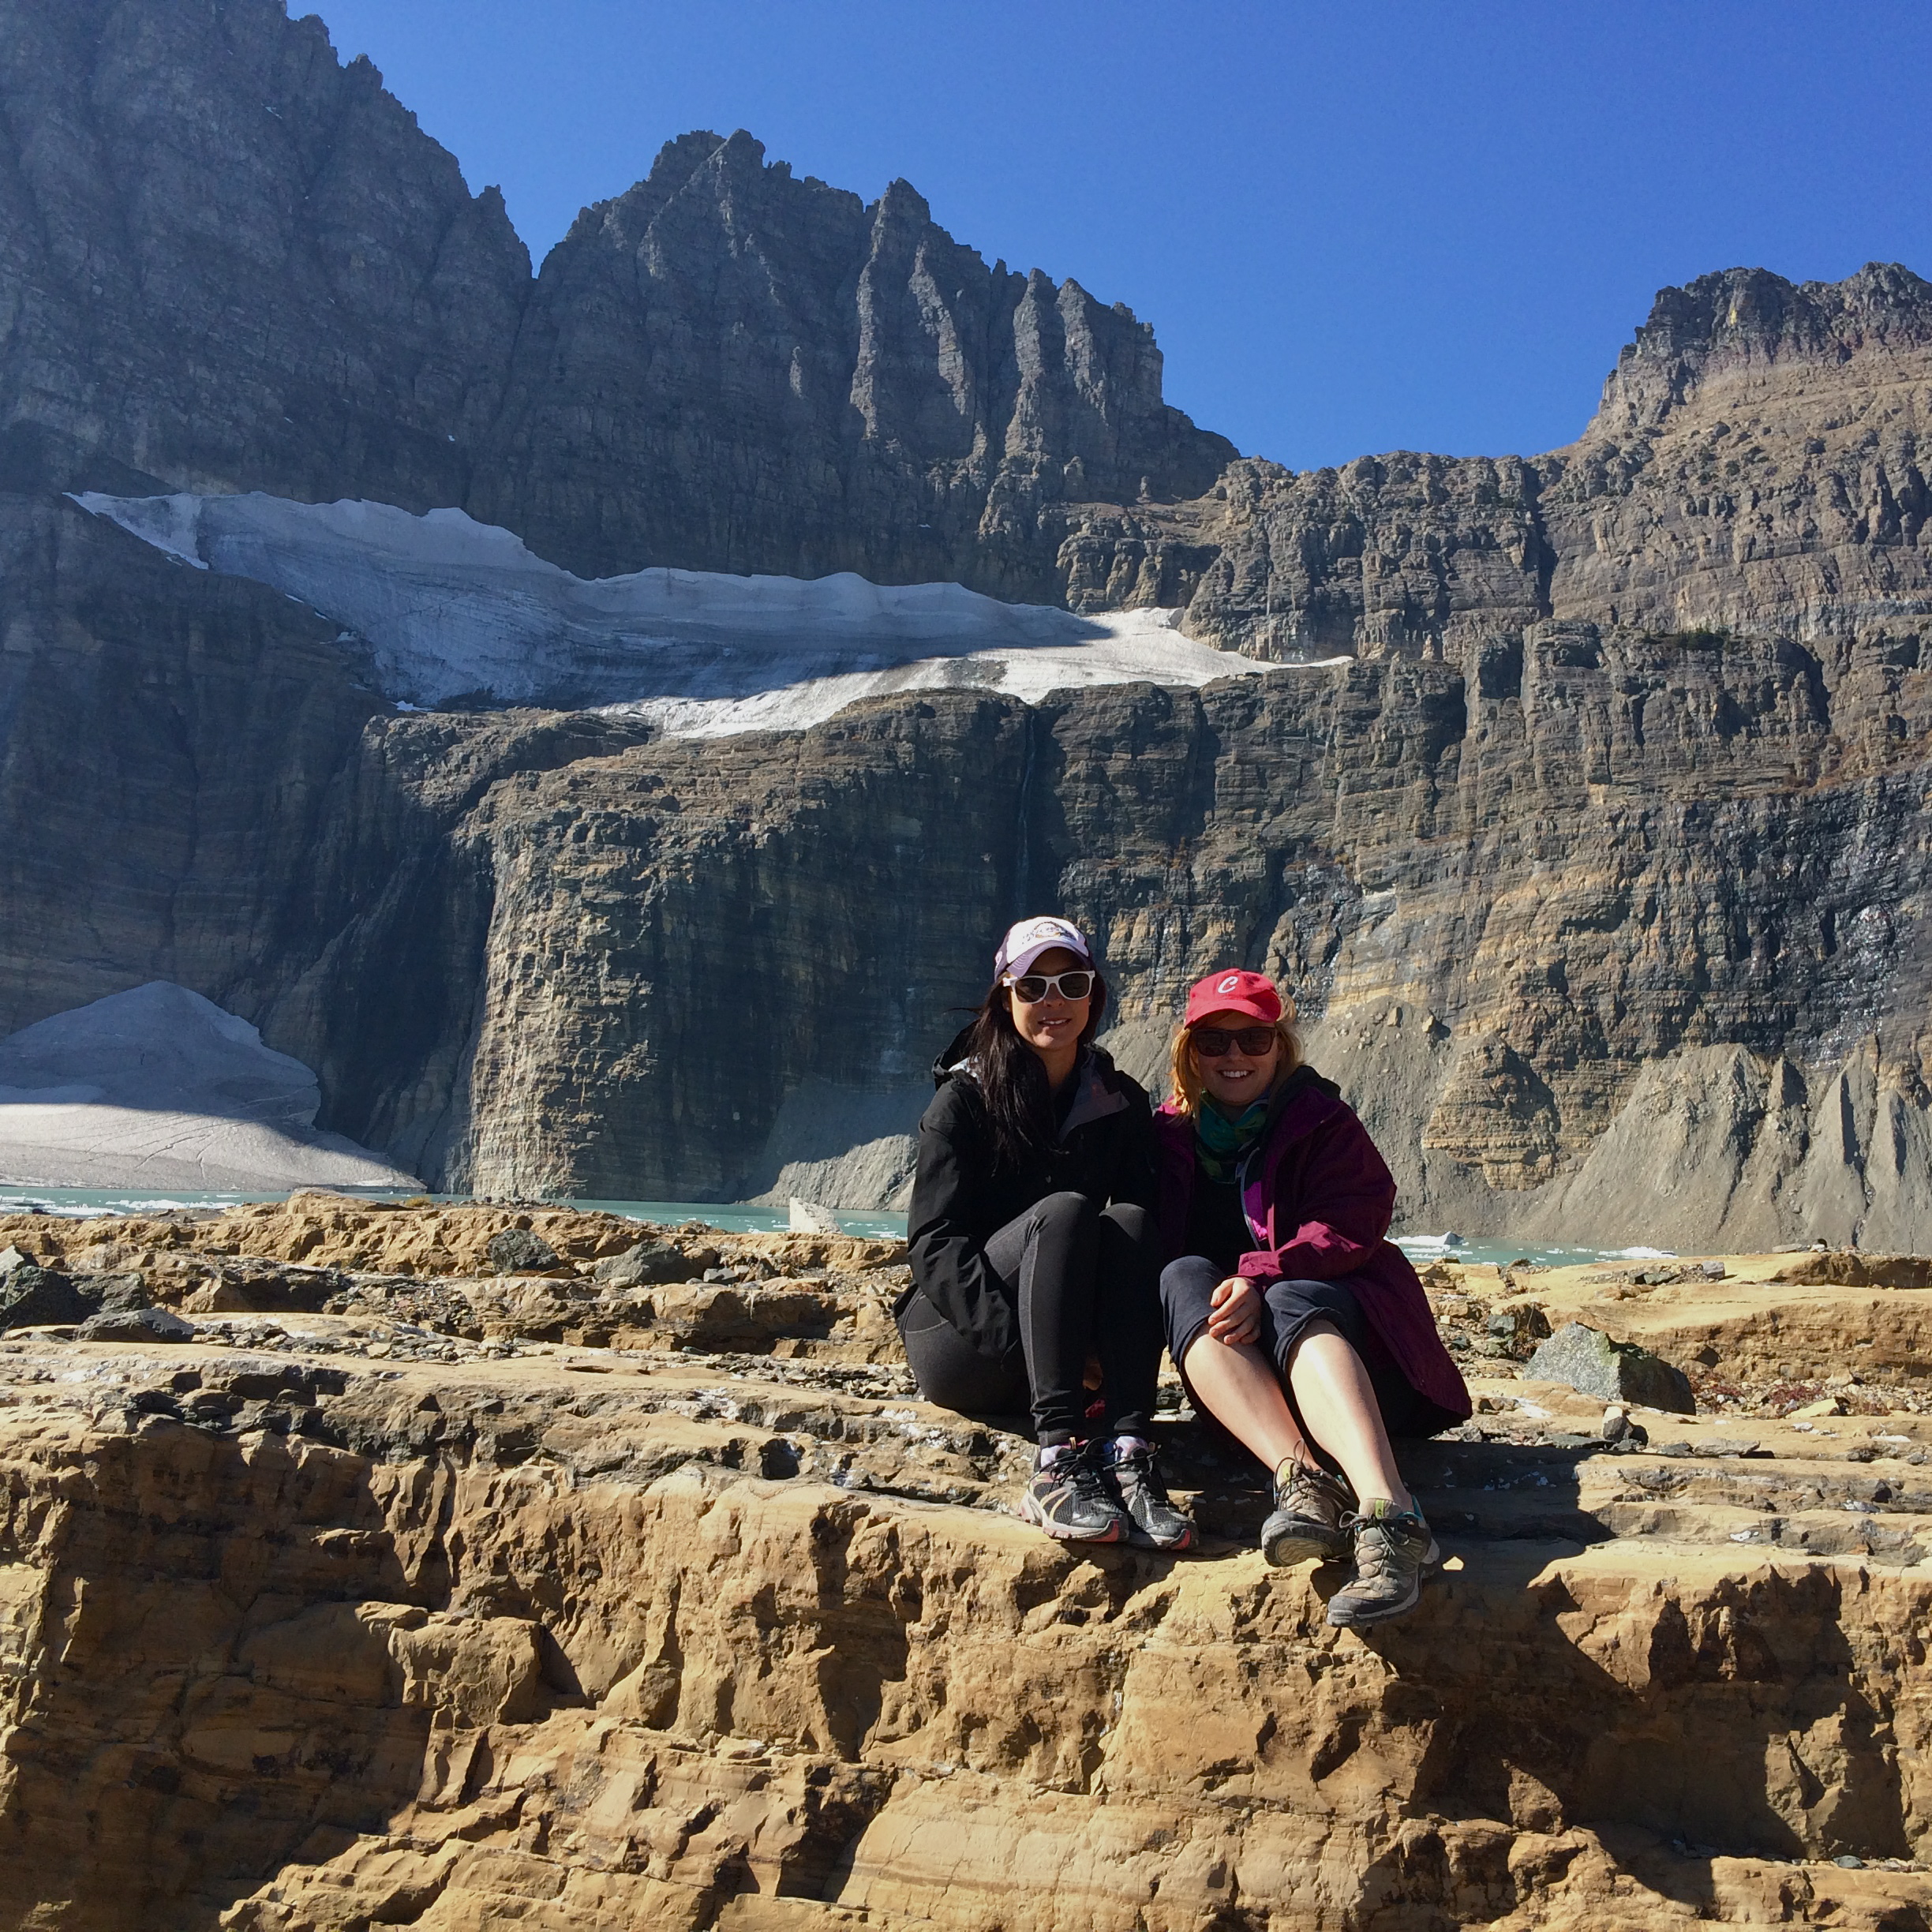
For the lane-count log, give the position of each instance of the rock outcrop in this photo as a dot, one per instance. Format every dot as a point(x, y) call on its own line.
point(341, 1619)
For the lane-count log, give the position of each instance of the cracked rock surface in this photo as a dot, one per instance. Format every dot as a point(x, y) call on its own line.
point(342, 1616)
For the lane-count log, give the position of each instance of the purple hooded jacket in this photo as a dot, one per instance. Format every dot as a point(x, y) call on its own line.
point(1317, 1197)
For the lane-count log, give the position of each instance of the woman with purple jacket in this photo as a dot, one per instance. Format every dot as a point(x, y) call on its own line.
point(1293, 1319)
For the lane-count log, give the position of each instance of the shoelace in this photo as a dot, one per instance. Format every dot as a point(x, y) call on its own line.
point(1306, 1492)
point(1372, 1556)
point(1139, 1463)
point(1375, 1546)
point(1302, 1488)
point(1077, 1474)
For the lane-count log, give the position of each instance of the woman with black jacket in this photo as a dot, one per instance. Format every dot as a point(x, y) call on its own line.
point(1034, 1243)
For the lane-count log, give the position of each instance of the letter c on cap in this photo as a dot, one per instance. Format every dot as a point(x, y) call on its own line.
point(1229, 983)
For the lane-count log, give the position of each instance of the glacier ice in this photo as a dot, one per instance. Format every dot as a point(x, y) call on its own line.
point(449, 608)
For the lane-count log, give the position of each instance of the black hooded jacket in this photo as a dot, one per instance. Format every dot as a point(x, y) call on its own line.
point(963, 1194)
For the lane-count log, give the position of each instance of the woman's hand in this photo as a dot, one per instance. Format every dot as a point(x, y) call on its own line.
point(1235, 1311)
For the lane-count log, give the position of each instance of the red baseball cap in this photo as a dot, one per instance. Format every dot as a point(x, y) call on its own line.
point(1234, 991)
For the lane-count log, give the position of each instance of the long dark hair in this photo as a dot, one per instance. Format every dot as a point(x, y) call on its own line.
point(1012, 1078)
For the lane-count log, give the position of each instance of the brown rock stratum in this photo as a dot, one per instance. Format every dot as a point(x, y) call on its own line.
point(355, 1618)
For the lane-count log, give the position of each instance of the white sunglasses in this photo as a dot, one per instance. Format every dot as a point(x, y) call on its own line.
point(1030, 988)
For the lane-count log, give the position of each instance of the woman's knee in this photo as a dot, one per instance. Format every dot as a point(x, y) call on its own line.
point(1320, 1328)
point(1190, 1274)
point(1066, 1209)
point(1133, 1224)
point(951, 1374)
point(1320, 1325)
point(989, 1389)
point(1130, 1251)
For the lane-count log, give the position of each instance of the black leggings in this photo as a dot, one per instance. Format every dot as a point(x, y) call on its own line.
point(1084, 1279)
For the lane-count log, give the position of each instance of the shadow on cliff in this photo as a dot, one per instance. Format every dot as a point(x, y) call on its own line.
point(1720, 1713)
point(1697, 1715)
point(220, 1690)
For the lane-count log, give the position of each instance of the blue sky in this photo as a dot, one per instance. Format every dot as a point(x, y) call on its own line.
point(1354, 227)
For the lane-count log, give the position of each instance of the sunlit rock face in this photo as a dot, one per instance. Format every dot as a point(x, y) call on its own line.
point(643, 1590)
point(1758, 465)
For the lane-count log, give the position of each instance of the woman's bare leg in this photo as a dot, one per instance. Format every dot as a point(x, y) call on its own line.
point(1337, 1401)
point(1236, 1382)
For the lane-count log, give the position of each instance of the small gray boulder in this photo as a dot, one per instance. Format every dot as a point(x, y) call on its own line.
point(1516, 1331)
point(138, 1324)
point(113, 1292)
point(519, 1251)
point(33, 1296)
point(1620, 1371)
point(656, 1261)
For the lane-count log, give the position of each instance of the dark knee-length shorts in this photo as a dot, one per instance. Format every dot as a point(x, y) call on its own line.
point(1289, 1308)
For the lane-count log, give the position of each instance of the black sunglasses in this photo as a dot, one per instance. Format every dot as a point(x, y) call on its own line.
point(1213, 1043)
point(1030, 988)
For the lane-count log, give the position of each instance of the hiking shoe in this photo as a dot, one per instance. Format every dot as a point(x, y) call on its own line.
point(1067, 1498)
point(1393, 1548)
point(1127, 1464)
point(1307, 1520)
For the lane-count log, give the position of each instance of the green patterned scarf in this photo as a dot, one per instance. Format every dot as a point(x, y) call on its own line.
point(1222, 1140)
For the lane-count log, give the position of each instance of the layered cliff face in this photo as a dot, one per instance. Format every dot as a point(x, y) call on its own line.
point(1610, 936)
point(1601, 974)
point(171, 737)
point(1596, 855)
point(1757, 464)
point(227, 260)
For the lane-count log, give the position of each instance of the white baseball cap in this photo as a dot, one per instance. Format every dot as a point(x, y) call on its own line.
point(1026, 941)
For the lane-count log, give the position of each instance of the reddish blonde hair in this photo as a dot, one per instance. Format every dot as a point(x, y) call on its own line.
point(1184, 1069)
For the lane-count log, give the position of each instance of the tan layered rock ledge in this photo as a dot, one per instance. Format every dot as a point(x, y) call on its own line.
point(417, 1606)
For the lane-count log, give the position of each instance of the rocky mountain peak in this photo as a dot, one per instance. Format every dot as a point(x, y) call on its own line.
point(731, 368)
point(1747, 319)
point(171, 169)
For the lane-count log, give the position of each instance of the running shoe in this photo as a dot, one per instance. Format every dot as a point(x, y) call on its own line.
point(1069, 1498)
point(1131, 1470)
